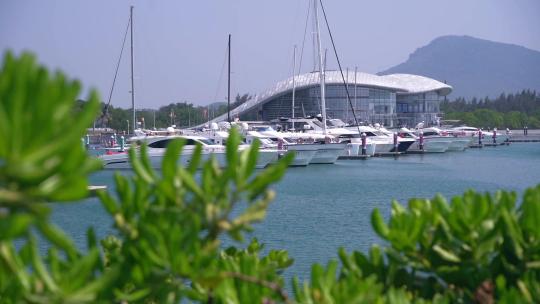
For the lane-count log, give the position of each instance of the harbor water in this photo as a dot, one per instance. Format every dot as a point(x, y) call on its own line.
point(320, 208)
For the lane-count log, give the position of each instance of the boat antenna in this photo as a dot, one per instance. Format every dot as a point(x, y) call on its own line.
point(339, 65)
point(106, 108)
point(132, 82)
point(229, 84)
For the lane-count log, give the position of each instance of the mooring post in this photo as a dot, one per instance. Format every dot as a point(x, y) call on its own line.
point(421, 140)
point(364, 143)
point(395, 142)
point(480, 137)
point(122, 143)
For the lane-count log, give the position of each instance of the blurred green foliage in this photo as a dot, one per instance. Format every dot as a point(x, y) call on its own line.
point(168, 225)
point(477, 248)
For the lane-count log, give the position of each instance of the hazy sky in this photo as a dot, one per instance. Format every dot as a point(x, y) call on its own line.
point(180, 46)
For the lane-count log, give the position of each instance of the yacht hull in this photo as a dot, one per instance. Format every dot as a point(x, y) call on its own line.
point(459, 144)
point(403, 146)
point(303, 153)
point(436, 145)
point(328, 153)
point(121, 160)
point(383, 147)
point(355, 149)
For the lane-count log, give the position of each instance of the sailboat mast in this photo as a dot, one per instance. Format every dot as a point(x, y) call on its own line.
point(293, 84)
point(229, 83)
point(321, 67)
point(355, 96)
point(132, 82)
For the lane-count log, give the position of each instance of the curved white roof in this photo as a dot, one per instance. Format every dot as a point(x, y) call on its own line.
point(401, 83)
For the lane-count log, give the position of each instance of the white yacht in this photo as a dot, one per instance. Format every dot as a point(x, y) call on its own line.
point(455, 143)
point(432, 143)
point(404, 143)
point(303, 147)
point(157, 147)
point(487, 136)
point(383, 142)
point(465, 131)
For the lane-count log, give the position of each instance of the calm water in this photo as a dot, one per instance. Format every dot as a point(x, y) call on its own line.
point(320, 208)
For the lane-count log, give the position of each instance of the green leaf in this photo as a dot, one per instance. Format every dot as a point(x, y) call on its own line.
point(169, 164)
point(81, 271)
point(15, 225)
point(140, 165)
point(446, 255)
point(251, 161)
point(378, 224)
point(40, 268)
point(58, 238)
point(195, 160)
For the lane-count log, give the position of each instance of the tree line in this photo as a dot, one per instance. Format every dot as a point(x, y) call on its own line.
point(180, 114)
point(513, 111)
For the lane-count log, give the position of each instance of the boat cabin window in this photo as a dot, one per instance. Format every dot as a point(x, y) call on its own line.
point(405, 135)
point(160, 143)
point(188, 142)
point(265, 141)
point(430, 133)
point(262, 128)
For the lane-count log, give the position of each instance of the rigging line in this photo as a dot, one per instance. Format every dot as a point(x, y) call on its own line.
point(339, 65)
point(104, 112)
point(304, 39)
point(221, 75)
point(281, 110)
point(302, 54)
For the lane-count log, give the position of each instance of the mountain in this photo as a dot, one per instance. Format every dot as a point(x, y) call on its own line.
point(475, 67)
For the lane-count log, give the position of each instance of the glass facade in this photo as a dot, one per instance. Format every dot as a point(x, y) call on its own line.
point(371, 105)
point(415, 108)
point(391, 100)
point(388, 107)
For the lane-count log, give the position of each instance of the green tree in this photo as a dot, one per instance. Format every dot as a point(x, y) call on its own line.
point(488, 118)
point(515, 119)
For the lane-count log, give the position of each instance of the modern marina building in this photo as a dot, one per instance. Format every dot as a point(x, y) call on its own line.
point(392, 100)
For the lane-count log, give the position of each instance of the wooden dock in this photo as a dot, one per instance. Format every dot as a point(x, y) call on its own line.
point(497, 144)
point(353, 157)
point(415, 151)
point(388, 154)
point(528, 138)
